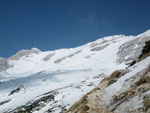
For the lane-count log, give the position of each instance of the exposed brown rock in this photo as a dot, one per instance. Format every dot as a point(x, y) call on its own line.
point(91, 102)
point(115, 76)
point(138, 88)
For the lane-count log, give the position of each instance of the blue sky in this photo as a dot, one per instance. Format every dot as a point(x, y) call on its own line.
point(54, 24)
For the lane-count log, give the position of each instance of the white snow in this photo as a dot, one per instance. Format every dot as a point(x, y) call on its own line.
point(73, 74)
point(121, 85)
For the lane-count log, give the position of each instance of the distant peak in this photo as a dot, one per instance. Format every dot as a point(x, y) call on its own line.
point(35, 49)
point(22, 53)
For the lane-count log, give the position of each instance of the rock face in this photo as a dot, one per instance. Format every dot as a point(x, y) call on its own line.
point(145, 51)
point(22, 53)
point(48, 57)
point(131, 50)
point(4, 64)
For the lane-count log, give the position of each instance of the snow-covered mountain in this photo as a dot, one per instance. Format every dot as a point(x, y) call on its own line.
point(32, 81)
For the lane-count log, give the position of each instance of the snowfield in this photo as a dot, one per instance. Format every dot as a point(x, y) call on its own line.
point(55, 80)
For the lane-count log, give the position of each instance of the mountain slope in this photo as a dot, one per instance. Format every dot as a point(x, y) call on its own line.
point(124, 91)
point(52, 81)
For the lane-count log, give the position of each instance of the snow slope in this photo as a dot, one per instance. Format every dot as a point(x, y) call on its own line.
point(123, 84)
point(65, 75)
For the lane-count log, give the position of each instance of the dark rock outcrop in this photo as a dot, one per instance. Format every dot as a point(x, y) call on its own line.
point(130, 51)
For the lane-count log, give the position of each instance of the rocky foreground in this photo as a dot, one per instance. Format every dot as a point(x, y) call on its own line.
point(132, 97)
